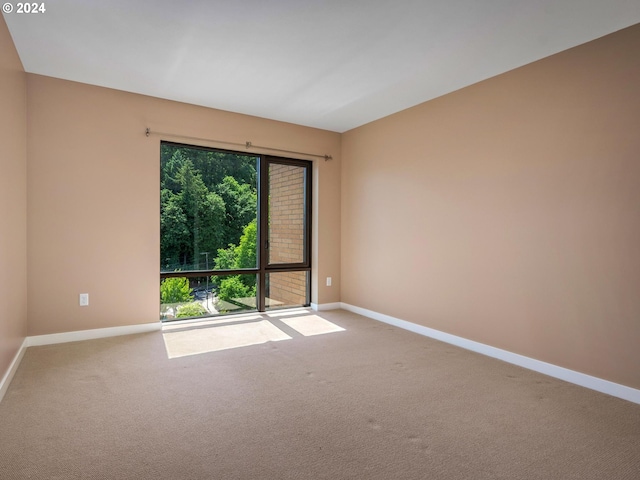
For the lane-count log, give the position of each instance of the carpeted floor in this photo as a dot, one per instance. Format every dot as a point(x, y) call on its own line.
point(367, 402)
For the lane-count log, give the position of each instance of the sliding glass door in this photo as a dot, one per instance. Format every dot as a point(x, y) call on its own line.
point(235, 232)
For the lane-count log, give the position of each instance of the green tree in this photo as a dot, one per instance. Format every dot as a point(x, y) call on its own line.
point(194, 309)
point(208, 201)
point(213, 165)
point(226, 258)
point(171, 161)
point(204, 213)
point(235, 257)
point(241, 203)
point(192, 194)
point(175, 290)
point(242, 256)
point(233, 287)
point(245, 252)
point(174, 231)
point(212, 214)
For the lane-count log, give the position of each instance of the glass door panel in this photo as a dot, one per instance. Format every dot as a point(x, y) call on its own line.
point(287, 289)
point(287, 214)
point(287, 223)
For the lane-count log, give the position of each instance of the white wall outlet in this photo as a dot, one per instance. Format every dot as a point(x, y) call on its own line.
point(328, 281)
point(84, 299)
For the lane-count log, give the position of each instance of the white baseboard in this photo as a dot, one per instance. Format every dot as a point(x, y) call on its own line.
point(6, 380)
point(92, 334)
point(318, 307)
point(571, 376)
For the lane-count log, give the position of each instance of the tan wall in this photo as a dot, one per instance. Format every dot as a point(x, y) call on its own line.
point(325, 229)
point(508, 212)
point(94, 198)
point(13, 201)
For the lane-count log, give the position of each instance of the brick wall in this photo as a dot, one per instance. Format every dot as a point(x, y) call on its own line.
point(289, 288)
point(286, 232)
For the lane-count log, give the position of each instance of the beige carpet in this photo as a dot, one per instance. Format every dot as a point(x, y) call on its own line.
point(367, 402)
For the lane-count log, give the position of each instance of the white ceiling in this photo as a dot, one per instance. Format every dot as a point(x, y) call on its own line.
point(331, 64)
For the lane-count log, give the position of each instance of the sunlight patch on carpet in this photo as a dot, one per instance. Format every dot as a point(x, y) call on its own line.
point(223, 337)
point(311, 325)
point(287, 312)
point(198, 322)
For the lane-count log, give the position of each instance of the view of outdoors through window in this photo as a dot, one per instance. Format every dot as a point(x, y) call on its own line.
point(208, 211)
point(211, 239)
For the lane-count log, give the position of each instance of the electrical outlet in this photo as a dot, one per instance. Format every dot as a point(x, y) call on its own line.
point(328, 281)
point(84, 299)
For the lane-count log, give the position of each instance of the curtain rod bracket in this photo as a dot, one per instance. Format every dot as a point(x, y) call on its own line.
point(248, 145)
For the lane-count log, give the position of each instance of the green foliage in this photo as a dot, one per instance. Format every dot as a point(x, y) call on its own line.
point(169, 169)
point(226, 258)
point(206, 199)
point(211, 214)
point(194, 309)
point(241, 203)
point(242, 256)
point(233, 287)
point(213, 166)
point(246, 252)
point(190, 220)
point(174, 230)
point(175, 290)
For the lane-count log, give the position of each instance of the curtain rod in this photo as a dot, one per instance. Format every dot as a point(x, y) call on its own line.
point(247, 144)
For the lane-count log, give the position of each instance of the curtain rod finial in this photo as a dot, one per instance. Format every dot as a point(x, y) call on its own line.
point(328, 157)
point(248, 145)
point(147, 132)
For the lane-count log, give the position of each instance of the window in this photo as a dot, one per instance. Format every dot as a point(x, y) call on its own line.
point(235, 232)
